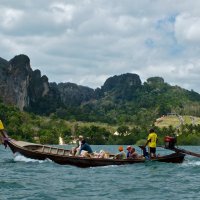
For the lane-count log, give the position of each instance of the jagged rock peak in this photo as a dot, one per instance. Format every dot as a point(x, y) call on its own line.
point(125, 80)
point(3, 63)
point(20, 62)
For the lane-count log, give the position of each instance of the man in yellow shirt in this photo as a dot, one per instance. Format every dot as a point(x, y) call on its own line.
point(1, 125)
point(151, 142)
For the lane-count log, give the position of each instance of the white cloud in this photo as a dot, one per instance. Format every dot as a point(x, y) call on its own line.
point(9, 18)
point(187, 28)
point(87, 41)
point(62, 12)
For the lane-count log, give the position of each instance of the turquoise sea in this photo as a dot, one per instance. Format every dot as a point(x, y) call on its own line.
point(26, 179)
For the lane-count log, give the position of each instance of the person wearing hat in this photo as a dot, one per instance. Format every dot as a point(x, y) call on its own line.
point(121, 154)
point(128, 151)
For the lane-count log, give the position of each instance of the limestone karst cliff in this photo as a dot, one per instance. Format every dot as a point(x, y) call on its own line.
point(19, 84)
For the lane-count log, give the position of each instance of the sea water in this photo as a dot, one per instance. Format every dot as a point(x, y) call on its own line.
point(28, 179)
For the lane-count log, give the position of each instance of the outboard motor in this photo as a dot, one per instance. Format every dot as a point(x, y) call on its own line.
point(170, 142)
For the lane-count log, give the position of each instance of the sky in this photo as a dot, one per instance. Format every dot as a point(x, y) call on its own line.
point(87, 41)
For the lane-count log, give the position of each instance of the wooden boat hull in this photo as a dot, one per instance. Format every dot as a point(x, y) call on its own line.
point(62, 156)
point(29, 154)
point(94, 162)
point(172, 158)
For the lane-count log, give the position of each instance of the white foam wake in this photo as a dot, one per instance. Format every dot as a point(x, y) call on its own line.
point(20, 158)
point(192, 163)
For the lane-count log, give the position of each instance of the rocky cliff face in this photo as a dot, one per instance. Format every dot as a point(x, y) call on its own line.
point(4, 73)
point(73, 95)
point(18, 83)
point(38, 86)
point(122, 87)
point(28, 90)
point(125, 80)
point(15, 76)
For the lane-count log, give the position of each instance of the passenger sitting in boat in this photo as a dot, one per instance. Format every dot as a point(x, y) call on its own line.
point(80, 138)
point(75, 150)
point(86, 147)
point(129, 151)
point(132, 154)
point(121, 154)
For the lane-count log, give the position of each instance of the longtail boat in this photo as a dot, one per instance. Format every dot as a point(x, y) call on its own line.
point(63, 156)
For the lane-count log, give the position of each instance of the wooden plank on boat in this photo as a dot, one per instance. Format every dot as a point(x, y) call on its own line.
point(54, 150)
point(46, 149)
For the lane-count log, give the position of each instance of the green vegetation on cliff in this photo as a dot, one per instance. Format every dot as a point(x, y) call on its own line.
point(46, 130)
